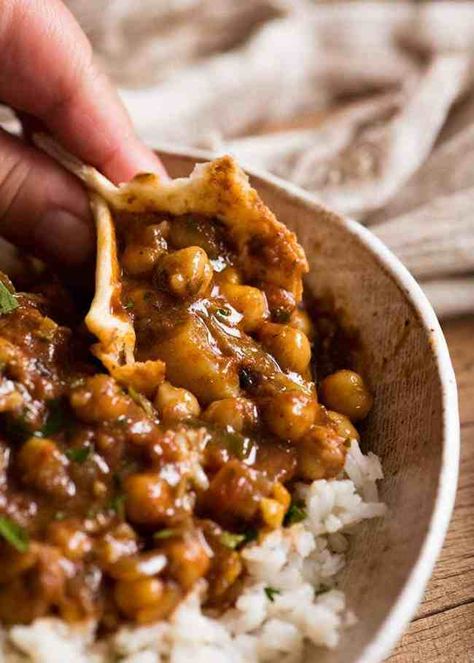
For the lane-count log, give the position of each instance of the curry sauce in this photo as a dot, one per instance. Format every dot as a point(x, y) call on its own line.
point(115, 501)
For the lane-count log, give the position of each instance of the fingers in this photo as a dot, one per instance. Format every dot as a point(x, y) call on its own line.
point(47, 70)
point(43, 209)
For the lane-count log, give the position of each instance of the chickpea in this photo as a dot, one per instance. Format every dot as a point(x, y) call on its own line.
point(169, 599)
point(228, 275)
point(135, 595)
point(188, 558)
point(289, 346)
point(133, 567)
point(148, 499)
point(99, 399)
point(290, 414)
point(44, 467)
point(321, 454)
point(153, 234)
point(187, 272)
point(175, 404)
point(73, 542)
point(140, 300)
point(299, 319)
point(346, 392)
point(119, 542)
point(280, 301)
point(194, 230)
point(239, 413)
point(192, 363)
point(343, 426)
point(250, 302)
point(138, 260)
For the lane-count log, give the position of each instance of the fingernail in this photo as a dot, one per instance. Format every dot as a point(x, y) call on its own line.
point(136, 159)
point(143, 159)
point(64, 237)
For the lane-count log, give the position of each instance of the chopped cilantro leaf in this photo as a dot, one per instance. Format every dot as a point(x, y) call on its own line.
point(271, 592)
point(55, 421)
point(165, 534)
point(295, 514)
point(59, 515)
point(117, 504)
point(142, 401)
point(231, 540)
point(8, 301)
point(80, 455)
point(129, 305)
point(250, 534)
point(224, 312)
point(14, 534)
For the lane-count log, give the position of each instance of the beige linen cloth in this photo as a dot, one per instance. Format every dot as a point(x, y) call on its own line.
point(368, 106)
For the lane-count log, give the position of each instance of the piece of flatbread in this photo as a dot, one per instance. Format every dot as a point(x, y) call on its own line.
point(267, 251)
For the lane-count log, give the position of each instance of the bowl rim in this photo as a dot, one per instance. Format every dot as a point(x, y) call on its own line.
point(404, 608)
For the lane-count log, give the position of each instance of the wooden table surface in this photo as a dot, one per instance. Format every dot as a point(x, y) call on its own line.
point(443, 629)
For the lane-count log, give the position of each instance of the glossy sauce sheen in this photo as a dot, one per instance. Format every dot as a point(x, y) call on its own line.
point(113, 503)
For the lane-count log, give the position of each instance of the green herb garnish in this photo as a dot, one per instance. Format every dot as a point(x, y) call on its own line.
point(59, 515)
point(14, 534)
point(271, 592)
point(165, 534)
point(55, 420)
point(142, 401)
point(81, 454)
point(295, 514)
point(223, 312)
point(236, 444)
point(250, 534)
point(231, 540)
point(8, 301)
point(117, 504)
point(129, 305)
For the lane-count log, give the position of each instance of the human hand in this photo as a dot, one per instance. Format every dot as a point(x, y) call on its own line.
point(48, 76)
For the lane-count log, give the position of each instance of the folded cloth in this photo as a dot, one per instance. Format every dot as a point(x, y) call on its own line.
point(369, 106)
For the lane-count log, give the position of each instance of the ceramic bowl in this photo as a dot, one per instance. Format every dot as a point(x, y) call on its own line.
point(413, 427)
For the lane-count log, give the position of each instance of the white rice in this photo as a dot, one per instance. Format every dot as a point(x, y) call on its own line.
point(300, 563)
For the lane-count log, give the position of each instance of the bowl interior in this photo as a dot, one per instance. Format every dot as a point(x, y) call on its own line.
point(406, 426)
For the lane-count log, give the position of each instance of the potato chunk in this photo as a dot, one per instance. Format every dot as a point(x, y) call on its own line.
point(193, 363)
point(235, 493)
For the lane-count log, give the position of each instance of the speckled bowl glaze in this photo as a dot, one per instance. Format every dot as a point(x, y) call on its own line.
point(413, 427)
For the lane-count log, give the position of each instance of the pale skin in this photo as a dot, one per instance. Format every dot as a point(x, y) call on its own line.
point(48, 76)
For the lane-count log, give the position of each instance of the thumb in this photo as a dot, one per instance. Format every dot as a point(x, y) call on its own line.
point(43, 208)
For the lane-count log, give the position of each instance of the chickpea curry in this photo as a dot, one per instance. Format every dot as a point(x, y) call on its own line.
point(121, 487)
